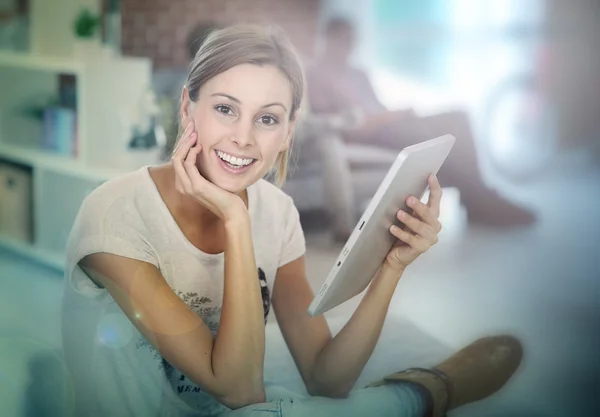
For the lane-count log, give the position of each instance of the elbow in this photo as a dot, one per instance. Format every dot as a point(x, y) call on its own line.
point(243, 395)
point(319, 390)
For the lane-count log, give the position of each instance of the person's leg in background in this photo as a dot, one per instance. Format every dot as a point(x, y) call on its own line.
point(337, 184)
point(461, 170)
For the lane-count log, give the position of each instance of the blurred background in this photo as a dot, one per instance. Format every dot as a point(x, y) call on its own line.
point(89, 91)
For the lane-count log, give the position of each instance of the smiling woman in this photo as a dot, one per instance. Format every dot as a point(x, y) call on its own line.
point(172, 269)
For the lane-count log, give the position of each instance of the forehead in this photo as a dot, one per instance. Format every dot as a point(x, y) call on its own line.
point(251, 84)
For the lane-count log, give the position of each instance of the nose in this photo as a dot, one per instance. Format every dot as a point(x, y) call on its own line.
point(244, 134)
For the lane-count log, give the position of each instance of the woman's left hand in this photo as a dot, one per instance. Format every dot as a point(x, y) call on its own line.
point(421, 231)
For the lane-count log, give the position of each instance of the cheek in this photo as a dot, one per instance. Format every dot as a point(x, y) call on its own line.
point(272, 143)
point(207, 128)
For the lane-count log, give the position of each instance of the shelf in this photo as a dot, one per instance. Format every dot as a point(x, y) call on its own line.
point(48, 258)
point(39, 62)
point(58, 163)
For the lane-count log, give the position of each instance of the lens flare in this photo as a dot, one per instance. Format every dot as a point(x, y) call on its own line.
point(114, 331)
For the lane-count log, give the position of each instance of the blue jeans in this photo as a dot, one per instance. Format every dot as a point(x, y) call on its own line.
point(399, 400)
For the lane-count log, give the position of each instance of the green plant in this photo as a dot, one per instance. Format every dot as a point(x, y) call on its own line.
point(86, 24)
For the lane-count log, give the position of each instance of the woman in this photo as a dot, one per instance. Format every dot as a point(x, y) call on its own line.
point(171, 268)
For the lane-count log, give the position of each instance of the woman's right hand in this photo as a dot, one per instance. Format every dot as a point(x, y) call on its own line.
point(189, 181)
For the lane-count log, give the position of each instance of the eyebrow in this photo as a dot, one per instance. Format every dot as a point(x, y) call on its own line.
point(239, 102)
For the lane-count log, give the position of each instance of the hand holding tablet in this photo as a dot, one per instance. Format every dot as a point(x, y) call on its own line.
point(371, 241)
point(420, 230)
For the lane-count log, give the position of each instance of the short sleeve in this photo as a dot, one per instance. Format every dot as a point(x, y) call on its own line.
point(294, 245)
point(97, 230)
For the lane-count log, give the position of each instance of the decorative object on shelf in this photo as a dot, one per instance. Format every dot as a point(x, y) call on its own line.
point(111, 26)
point(59, 132)
point(148, 135)
point(86, 28)
point(86, 24)
point(14, 26)
point(170, 123)
point(35, 107)
point(67, 91)
point(15, 203)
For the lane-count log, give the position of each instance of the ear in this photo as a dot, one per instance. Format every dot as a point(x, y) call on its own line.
point(185, 108)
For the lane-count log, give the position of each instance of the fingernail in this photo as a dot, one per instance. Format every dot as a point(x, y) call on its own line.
point(411, 201)
point(401, 214)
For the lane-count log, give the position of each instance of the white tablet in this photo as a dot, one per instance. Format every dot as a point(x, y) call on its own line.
point(371, 239)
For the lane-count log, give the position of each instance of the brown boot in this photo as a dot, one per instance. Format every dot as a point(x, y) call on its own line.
point(471, 374)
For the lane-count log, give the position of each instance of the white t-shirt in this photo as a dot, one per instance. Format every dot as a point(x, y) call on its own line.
point(116, 372)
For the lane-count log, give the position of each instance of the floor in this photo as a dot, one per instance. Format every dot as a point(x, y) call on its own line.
point(541, 284)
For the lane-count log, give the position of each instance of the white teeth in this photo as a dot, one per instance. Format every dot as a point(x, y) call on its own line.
point(232, 160)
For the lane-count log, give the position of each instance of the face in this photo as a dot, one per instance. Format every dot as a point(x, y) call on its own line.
point(242, 118)
point(340, 44)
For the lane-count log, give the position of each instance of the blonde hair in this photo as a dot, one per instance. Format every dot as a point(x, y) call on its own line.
point(250, 44)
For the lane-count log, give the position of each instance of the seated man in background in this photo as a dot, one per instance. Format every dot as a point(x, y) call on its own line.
point(334, 88)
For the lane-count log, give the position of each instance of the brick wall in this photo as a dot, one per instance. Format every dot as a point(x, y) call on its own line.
point(158, 28)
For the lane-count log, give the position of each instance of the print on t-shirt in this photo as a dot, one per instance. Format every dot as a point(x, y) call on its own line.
point(210, 314)
point(264, 292)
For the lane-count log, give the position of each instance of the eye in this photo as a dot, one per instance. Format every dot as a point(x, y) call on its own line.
point(268, 120)
point(223, 109)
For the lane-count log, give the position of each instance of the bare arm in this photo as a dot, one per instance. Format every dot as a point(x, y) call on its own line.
point(329, 367)
point(239, 349)
point(228, 367)
point(341, 361)
point(305, 336)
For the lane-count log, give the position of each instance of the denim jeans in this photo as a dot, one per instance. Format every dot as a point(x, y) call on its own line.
point(399, 400)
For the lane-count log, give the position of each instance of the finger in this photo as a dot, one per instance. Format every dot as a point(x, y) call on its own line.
point(181, 176)
point(182, 180)
point(435, 194)
point(196, 179)
point(417, 243)
point(416, 225)
point(185, 136)
point(425, 213)
point(181, 138)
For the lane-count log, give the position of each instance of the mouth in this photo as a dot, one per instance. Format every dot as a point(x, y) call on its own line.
point(234, 164)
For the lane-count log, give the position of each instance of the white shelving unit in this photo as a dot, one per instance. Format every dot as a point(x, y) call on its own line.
point(40, 159)
point(22, 61)
point(108, 90)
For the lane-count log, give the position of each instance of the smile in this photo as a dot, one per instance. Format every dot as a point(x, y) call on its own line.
point(234, 162)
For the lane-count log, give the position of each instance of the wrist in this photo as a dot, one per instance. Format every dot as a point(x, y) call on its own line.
point(392, 271)
point(236, 218)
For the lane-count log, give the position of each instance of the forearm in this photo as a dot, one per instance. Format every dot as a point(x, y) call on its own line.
point(341, 361)
point(238, 351)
